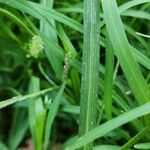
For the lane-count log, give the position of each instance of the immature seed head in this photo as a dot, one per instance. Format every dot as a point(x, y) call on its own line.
point(67, 61)
point(36, 47)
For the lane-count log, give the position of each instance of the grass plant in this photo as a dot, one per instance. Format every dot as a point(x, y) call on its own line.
point(75, 74)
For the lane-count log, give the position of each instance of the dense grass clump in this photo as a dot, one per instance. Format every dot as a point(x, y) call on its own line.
point(74, 74)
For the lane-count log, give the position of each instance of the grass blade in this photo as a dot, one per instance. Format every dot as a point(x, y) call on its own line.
point(43, 13)
point(131, 4)
point(90, 64)
point(136, 138)
point(142, 146)
point(66, 41)
point(123, 51)
point(137, 14)
point(23, 98)
point(53, 108)
point(106, 147)
point(16, 19)
point(36, 115)
point(3, 146)
point(109, 126)
point(108, 82)
point(18, 128)
point(51, 33)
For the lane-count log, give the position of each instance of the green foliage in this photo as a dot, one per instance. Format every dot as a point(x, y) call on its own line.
point(75, 73)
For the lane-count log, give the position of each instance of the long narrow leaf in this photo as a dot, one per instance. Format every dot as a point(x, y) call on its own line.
point(36, 114)
point(123, 51)
point(53, 108)
point(90, 64)
point(51, 33)
point(109, 126)
point(22, 98)
point(42, 12)
point(108, 83)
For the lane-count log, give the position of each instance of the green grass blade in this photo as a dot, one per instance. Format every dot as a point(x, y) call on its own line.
point(36, 114)
point(66, 41)
point(74, 75)
point(3, 146)
point(43, 13)
point(53, 108)
point(16, 19)
point(18, 128)
point(136, 138)
point(57, 64)
point(142, 59)
point(71, 109)
point(110, 125)
point(131, 4)
point(106, 147)
point(137, 14)
point(143, 35)
point(71, 9)
point(142, 146)
point(47, 30)
point(108, 82)
point(124, 52)
point(23, 98)
point(137, 37)
point(90, 64)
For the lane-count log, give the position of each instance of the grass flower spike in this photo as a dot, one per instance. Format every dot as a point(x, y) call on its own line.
point(36, 47)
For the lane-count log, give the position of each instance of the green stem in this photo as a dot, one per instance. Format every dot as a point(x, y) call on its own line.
point(90, 71)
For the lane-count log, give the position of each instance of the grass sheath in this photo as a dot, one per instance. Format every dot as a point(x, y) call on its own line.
point(90, 64)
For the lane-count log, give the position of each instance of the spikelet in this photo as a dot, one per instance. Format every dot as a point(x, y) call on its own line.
point(67, 61)
point(36, 47)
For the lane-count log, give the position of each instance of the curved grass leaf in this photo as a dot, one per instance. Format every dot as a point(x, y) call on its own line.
point(43, 13)
point(137, 37)
point(16, 19)
point(137, 14)
point(131, 4)
point(110, 125)
point(124, 52)
point(23, 98)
